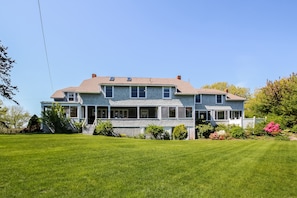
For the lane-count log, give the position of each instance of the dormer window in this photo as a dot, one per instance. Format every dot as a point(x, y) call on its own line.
point(71, 97)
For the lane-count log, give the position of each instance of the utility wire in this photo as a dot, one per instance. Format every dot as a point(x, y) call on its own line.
point(45, 48)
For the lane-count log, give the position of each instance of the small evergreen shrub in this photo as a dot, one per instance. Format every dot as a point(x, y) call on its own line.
point(34, 124)
point(104, 128)
point(180, 132)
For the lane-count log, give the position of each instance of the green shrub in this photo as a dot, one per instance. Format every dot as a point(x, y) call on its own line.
point(222, 127)
point(156, 131)
point(283, 136)
point(55, 119)
point(259, 129)
point(204, 130)
point(78, 126)
point(140, 136)
point(180, 132)
point(294, 129)
point(34, 124)
point(237, 132)
point(281, 120)
point(123, 135)
point(249, 131)
point(166, 135)
point(104, 128)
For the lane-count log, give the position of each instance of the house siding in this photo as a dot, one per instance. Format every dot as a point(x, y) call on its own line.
point(132, 115)
point(210, 100)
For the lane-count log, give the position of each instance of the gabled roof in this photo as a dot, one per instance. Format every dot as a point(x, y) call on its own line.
point(229, 96)
point(93, 85)
point(210, 91)
point(234, 97)
point(60, 93)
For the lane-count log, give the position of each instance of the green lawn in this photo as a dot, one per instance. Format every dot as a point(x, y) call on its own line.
point(96, 166)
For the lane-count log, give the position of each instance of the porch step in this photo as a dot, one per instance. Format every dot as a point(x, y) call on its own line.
point(88, 129)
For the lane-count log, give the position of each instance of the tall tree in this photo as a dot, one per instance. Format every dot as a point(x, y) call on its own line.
point(277, 98)
point(6, 64)
point(17, 117)
point(3, 119)
point(236, 90)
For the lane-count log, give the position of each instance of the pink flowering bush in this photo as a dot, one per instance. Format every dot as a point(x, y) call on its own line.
point(216, 136)
point(272, 128)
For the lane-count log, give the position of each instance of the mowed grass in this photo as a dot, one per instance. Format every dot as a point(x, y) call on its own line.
point(97, 166)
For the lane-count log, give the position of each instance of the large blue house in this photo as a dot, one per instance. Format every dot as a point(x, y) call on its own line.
point(131, 103)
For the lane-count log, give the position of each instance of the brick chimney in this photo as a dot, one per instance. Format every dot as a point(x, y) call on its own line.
point(226, 90)
point(179, 77)
point(94, 75)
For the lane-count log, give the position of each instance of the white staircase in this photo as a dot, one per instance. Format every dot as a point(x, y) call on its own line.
point(88, 129)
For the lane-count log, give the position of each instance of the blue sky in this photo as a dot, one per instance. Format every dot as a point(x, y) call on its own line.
point(206, 41)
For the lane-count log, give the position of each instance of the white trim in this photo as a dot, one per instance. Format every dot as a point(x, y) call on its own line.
point(112, 90)
point(216, 98)
point(200, 99)
point(73, 96)
point(163, 92)
point(138, 97)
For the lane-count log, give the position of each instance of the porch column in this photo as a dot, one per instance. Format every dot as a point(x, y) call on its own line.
point(138, 112)
point(159, 113)
point(86, 114)
point(108, 111)
point(96, 113)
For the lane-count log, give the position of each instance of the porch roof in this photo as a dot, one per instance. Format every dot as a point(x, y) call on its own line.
point(155, 103)
point(218, 108)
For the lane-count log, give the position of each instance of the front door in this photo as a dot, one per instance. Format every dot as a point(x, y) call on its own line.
point(91, 114)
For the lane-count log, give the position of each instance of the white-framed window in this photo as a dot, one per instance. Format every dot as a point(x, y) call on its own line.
point(189, 112)
point(203, 115)
point(73, 111)
point(102, 112)
point(198, 99)
point(219, 99)
point(108, 91)
point(166, 93)
point(138, 92)
point(119, 113)
point(235, 114)
point(172, 112)
point(184, 112)
point(221, 115)
point(168, 112)
point(144, 113)
point(71, 97)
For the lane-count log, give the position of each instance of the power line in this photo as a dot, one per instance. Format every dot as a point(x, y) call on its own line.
point(45, 48)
